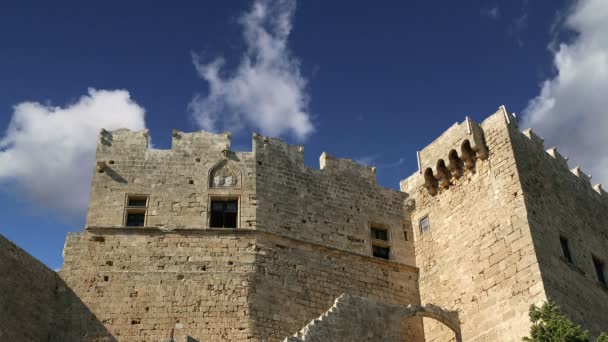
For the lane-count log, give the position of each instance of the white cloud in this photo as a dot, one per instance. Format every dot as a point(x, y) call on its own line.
point(570, 111)
point(49, 152)
point(266, 91)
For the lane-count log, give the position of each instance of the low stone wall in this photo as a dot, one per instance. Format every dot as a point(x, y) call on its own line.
point(358, 319)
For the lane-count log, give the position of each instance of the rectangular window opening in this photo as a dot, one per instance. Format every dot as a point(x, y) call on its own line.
point(381, 252)
point(424, 225)
point(379, 234)
point(224, 213)
point(135, 211)
point(565, 248)
point(381, 246)
point(599, 270)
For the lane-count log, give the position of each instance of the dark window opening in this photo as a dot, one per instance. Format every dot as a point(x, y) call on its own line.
point(424, 225)
point(379, 234)
point(599, 270)
point(565, 248)
point(137, 201)
point(136, 219)
point(224, 214)
point(135, 213)
point(381, 252)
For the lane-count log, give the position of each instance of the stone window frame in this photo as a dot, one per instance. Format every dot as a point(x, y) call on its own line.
point(420, 230)
point(599, 266)
point(136, 209)
point(378, 242)
point(224, 197)
point(566, 250)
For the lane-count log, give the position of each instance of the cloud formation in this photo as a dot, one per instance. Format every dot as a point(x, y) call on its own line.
point(49, 152)
point(266, 91)
point(570, 111)
point(492, 12)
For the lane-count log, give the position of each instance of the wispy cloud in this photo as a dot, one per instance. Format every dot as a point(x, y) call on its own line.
point(266, 91)
point(491, 12)
point(570, 110)
point(49, 152)
point(520, 23)
point(373, 160)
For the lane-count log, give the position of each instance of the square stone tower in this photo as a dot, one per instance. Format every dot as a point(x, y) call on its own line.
point(500, 224)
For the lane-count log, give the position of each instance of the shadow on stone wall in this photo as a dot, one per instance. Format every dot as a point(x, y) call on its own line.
point(37, 305)
point(73, 319)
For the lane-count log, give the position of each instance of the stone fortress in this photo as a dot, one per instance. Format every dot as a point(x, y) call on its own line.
point(200, 243)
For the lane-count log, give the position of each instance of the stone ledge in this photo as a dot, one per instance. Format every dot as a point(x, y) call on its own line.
point(292, 242)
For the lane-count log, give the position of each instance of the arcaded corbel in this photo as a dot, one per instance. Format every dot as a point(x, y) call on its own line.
point(476, 142)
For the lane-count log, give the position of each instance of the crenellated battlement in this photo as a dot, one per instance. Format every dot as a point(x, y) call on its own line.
point(331, 165)
point(562, 162)
point(280, 151)
point(126, 142)
point(125, 139)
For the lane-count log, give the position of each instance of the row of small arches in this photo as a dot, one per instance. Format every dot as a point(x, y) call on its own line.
point(455, 168)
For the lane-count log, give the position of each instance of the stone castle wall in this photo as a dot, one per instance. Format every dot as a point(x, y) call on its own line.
point(563, 203)
point(178, 181)
point(35, 303)
point(148, 285)
point(296, 282)
point(478, 255)
point(219, 284)
point(496, 204)
point(334, 205)
point(28, 295)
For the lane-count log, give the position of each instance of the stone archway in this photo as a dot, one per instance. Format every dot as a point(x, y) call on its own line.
point(359, 319)
point(447, 318)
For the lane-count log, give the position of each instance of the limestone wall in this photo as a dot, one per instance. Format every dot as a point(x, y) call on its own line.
point(35, 302)
point(295, 282)
point(218, 284)
point(359, 319)
point(27, 295)
point(148, 285)
point(478, 255)
point(563, 203)
point(333, 205)
point(177, 180)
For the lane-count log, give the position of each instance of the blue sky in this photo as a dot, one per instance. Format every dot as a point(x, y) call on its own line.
point(370, 82)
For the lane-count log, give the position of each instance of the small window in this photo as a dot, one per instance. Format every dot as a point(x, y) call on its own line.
point(599, 270)
point(381, 252)
point(381, 246)
point(224, 213)
point(379, 234)
point(565, 248)
point(424, 225)
point(135, 212)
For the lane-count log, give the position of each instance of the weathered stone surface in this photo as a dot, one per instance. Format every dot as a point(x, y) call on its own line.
point(495, 201)
point(359, 319)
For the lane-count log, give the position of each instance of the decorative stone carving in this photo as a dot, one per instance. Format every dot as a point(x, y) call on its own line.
point(224, 174)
